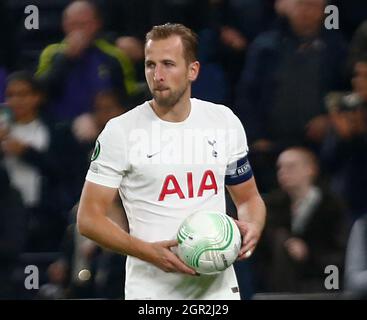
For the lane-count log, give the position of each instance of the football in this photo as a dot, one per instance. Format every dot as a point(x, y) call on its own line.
point(208, 242)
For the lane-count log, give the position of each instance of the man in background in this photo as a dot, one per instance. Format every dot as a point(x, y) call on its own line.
point(83, 64)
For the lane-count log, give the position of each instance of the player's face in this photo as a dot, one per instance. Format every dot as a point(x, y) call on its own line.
point(168, 74)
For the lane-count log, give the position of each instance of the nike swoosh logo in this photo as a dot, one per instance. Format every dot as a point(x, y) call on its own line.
point(152, 155)
point(212, 143)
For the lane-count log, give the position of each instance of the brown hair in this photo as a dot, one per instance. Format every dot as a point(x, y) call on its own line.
point(188, 37)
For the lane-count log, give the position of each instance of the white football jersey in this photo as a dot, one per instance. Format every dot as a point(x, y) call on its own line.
point(165, 171)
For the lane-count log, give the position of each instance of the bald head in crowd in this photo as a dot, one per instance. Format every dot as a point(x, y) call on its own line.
point(82, 16)
point(305, 16)
point(81, 23)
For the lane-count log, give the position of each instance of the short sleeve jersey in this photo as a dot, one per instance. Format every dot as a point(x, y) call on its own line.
point(165, 171)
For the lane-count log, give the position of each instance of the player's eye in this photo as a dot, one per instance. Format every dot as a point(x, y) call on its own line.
point(168, 63)
point(149, 65)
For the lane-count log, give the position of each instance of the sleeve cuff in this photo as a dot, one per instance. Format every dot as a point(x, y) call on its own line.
point(112, 182)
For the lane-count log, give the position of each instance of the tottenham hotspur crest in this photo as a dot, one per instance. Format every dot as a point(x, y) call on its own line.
point(96, 151)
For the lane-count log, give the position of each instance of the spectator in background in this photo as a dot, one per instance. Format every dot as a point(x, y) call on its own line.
point(83, 64)
point(86, 128)
point(344, 150)
point(133, 47)
point(231, 26)
point(356, 260)
point(13, 219)
point(25, 133)
point(47, 163)
point(65, 163)
point(287, 73)
point(358, 46)
point(8, 52)
point(75, 143)
point(85, 270)
point(23, 140)
point(306, 229)
point(83, 132)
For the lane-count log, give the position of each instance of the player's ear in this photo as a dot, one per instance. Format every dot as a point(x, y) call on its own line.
point(194, 68)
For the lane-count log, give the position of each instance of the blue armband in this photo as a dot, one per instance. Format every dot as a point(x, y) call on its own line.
point(238, 172)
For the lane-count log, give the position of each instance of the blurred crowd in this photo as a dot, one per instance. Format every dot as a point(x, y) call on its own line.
point(299, 89)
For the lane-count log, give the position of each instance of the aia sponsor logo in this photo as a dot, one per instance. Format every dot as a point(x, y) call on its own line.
point(171, 186)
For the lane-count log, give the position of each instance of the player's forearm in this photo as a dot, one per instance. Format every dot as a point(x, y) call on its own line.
point(253, 211)
point(108, 234)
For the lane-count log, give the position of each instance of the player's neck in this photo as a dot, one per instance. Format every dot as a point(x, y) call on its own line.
point(177, 113)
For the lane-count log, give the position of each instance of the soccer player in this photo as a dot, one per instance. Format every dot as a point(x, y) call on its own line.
point(168, 158)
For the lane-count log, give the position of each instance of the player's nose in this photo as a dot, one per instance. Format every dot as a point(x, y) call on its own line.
point(158, 74)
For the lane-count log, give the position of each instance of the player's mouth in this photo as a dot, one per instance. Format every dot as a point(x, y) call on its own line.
point(160, 89)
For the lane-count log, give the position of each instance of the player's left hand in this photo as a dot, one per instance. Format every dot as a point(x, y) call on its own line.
point(251, 233)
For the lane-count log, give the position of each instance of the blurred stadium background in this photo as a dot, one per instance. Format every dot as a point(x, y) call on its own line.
point(299, 88)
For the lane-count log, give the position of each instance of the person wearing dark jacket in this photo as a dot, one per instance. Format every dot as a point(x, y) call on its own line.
point(13, 217)
point(306, 229)
point(344, 149)
point(66, 161)
point(287, 72)
point(83, 64)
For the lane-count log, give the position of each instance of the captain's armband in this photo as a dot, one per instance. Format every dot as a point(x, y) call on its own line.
point(239, 171)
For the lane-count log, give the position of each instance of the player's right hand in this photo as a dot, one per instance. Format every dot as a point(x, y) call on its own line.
point(166, 260)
